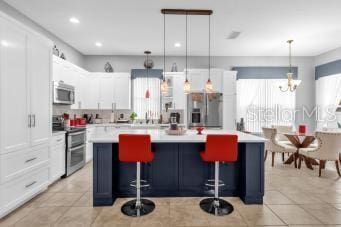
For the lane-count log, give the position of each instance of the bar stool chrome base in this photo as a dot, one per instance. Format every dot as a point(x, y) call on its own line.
point(131, 209)
point(217, 207)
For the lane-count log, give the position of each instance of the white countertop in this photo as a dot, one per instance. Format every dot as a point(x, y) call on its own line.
point(160, 136)
point(130, 125)
point(58, 133)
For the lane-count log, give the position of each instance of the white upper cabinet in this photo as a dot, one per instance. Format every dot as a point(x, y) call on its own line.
point(199, 77)
point(106, 92)
point(40, 58)
point(229, 82)
point(196, 79)
point(90, 92)
point(25, 88)
point(122, 91)
point(14, 90)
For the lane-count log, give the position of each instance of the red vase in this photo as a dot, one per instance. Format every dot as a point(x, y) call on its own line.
point(302, 129)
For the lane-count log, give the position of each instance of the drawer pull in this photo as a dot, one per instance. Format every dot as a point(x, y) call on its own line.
point(30, 160)
point(59, 140)
point(30, 184)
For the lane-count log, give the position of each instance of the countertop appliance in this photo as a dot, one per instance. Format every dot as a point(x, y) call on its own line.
point(205, 109)
point(63, 94)
point(176, 115)
point(75, 144)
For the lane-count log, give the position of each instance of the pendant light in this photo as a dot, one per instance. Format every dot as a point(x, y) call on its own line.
point(187, 85)
point(164, 84)
point(147, 94)
point(209, 85)
point(291, 84)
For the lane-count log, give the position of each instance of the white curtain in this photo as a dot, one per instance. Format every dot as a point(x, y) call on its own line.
point(328, 96)
point(143, 105)
point(261, 103)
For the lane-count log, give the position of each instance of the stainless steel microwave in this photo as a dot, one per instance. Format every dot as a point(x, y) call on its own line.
point(63, 93)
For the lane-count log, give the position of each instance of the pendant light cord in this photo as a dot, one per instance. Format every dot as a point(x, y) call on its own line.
point(290, 56)
point(209, 47)
point(186, 46)
point(164, 46)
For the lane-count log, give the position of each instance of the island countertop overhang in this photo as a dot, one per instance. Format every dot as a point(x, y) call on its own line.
point(160, 136)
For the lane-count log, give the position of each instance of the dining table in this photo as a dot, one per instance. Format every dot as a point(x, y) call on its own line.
point(301, 140)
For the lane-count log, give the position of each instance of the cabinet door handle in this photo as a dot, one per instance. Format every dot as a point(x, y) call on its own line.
point(98, 105)
point(34, 120)
point(30, 160)
point(29, 121)
point(30, 184)
point(79, 105)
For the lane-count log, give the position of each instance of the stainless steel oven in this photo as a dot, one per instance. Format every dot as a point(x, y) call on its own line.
point(75, 149)
point(63, 93)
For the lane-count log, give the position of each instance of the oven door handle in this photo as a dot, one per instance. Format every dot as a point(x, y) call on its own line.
point(77, 133)
point(76, 148)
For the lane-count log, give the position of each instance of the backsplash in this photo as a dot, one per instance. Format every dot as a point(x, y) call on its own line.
point(104, 114)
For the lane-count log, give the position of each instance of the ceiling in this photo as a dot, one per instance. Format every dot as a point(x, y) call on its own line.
point(128, 27)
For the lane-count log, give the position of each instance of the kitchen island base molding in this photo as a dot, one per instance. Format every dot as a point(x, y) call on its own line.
point(178, 171)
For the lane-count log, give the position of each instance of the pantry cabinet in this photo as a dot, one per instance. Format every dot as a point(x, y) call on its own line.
point(25, 88)
point(25, 113)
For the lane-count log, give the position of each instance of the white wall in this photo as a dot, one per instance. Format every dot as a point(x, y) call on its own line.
point(306, 71)
point(329, 56)
point(71, 53)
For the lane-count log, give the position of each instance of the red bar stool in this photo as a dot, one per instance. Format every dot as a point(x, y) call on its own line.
point(219, 148)
point(136, 148)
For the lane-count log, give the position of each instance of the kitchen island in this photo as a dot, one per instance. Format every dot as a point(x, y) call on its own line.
point(177, 169)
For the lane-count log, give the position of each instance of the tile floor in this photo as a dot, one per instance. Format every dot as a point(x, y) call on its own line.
point(292, 198)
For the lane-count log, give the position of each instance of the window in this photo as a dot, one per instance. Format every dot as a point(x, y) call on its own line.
point(142, 105)
point(262, 104)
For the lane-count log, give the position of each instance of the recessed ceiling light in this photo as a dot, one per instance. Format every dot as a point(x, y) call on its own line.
point(4, 43)
point(177, 44)
point(74, 20)
point(98, 44)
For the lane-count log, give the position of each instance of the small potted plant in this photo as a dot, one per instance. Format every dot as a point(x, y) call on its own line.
point(133, 117)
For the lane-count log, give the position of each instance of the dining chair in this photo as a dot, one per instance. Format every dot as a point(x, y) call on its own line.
point(281, 129)
point(274, 146)
point(328, 149)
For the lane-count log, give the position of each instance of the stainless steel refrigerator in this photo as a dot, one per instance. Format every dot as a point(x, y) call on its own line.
point(205, 109)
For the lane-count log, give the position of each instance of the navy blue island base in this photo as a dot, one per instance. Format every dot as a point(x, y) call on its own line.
point(178, 171)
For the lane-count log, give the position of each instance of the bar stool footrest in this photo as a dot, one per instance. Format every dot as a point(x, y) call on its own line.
point(210, 183)
point(143, 184)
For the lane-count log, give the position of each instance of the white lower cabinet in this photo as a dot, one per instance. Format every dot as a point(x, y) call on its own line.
point(89, 146)
point(16, 192)
point(20, 162)
point(57, 158)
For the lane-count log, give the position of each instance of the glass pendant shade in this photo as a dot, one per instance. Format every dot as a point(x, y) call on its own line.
point(164, 87)
point(209, 86)
point(187, 87)
point(147, 96)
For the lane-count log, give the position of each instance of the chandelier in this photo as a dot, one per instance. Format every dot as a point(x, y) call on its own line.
point(291, 84)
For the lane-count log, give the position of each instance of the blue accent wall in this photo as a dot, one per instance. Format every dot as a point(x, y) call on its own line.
point(328, 69)
point(155, 73)
point(264, 72)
